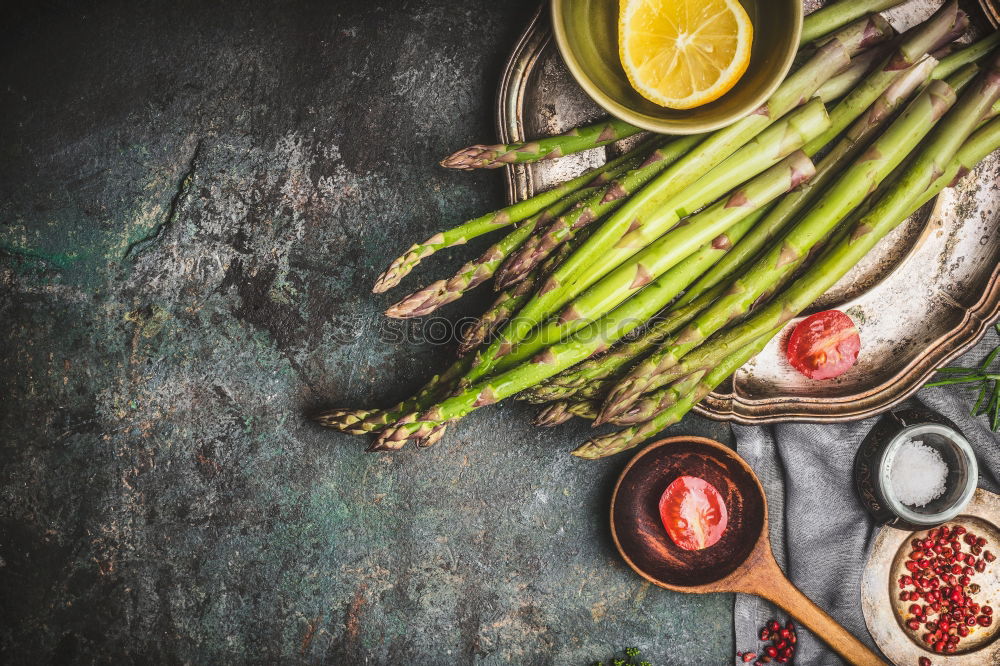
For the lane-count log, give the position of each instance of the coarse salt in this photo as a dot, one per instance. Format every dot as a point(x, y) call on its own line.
point(918, 474)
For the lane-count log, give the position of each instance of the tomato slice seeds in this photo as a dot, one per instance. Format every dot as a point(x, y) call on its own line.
point(693, 513)
point(824, 345)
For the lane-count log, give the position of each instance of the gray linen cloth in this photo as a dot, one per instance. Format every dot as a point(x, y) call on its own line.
point(820, 533)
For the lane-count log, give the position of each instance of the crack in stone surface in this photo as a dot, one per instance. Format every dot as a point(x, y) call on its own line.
point(137, 247)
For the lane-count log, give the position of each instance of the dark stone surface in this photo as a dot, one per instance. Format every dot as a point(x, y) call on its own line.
point(194, 201)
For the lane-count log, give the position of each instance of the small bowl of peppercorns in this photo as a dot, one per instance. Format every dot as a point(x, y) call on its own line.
point(930, 596)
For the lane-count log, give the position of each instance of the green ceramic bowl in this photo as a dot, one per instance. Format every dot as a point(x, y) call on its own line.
point(587, 34)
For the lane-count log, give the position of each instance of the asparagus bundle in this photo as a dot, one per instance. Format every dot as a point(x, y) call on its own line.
point(593, 338)
point(596, 258)
point(932, 169)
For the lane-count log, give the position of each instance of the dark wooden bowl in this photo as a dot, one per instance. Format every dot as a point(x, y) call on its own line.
point(638, 530)
point(741, 561)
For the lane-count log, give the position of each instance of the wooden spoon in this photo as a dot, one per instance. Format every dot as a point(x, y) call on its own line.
point(741, 561)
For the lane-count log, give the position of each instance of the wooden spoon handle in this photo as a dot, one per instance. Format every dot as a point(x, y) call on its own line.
point(781, 592)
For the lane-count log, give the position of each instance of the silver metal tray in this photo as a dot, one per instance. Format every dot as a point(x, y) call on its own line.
point(926, 294)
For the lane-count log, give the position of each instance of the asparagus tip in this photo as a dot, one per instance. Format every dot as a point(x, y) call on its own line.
point(473, 157)
point(344, 420)
point(385, 282)
point(419, 303)
point(433, 438)
point(553, 415)
point(589, 450)
point(616, 404)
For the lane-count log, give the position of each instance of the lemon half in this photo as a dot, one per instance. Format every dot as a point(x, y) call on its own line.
point(684, 53)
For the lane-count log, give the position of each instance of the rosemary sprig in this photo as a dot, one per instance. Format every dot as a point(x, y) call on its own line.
point(989, 385)
point(964, 380)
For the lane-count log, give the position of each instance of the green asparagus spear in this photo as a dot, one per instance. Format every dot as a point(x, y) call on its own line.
point(576, 140)
point(837, 14)
point(859, 35)
point(970, 54)
point(345, 420)
point(651, 404)
point(861, 65)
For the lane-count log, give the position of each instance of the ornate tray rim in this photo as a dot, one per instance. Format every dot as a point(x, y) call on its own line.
point(516, 81)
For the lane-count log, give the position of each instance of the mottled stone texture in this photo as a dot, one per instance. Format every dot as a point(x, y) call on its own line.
point(194, 201)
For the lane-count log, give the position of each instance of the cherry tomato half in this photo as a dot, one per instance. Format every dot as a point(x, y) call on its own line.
point(824, 345)
point(693, 513)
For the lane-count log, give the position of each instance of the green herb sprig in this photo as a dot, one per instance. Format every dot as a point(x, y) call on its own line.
point(631, 653)
point(988, 400)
